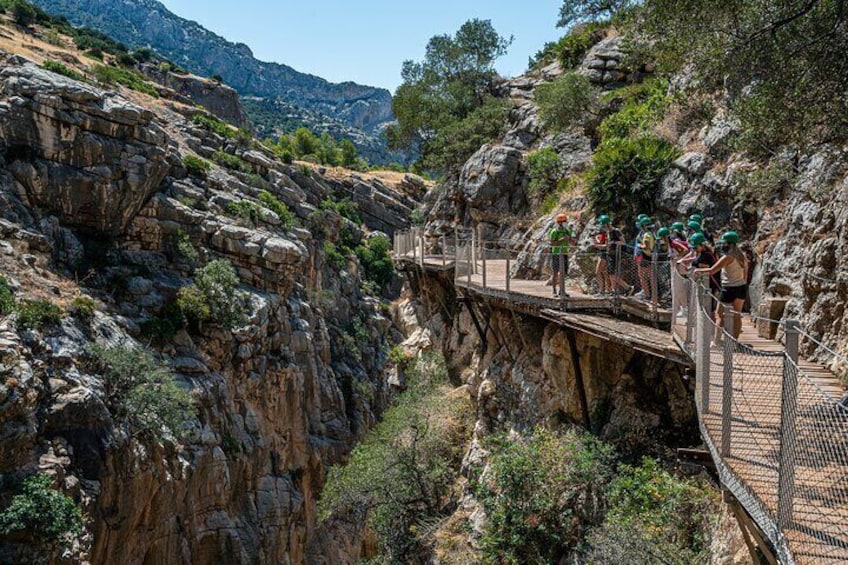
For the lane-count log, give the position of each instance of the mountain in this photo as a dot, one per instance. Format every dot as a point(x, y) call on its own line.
point(148, 23)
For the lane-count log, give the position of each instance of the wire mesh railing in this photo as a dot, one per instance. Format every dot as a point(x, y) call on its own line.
point(779, 439)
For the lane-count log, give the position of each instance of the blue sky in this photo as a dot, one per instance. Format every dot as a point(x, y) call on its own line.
point(366, 41)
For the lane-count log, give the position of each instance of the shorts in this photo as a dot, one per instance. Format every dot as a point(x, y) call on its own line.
point(731, 293)
point(555, 263)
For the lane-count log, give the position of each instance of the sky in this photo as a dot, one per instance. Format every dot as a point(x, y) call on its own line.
point(366, 41)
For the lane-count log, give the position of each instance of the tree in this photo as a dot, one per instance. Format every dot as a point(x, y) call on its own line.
point(23, 13)
point(576, 11)
point(305, 142)
point(456, 77)
point(567, 101)
point(349, 153)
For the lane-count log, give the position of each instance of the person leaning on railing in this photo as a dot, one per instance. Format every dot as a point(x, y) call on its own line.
point(734, 281)
point(561, 237)
point(701, 256)
point(607, 242)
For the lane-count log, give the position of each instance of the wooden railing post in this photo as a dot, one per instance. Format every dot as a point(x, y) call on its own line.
point(444, 251)
point(727, 382)
point(788, 416)
point(421, 241)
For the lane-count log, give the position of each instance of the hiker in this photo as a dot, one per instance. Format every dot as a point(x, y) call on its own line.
point(608, 241)
point(734, 282)
point(645, 249)
point(703, 257)
point(561, 237)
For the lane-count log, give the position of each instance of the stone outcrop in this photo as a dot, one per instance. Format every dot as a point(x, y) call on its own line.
point(85, 155)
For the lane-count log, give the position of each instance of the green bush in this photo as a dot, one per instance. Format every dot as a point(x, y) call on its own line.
point(214, 125)
point(545, 171)
point(652, 512)
point(7, 297)
point(196, 166)
point(345, 208)
point(334, 257)
point(567, 101)
point(213, 297)
point(35, 314)
point(400, 475)
point(232, 162)
point(244, 209)
point(273, 203)
point(626, 173)
point(131, 79)
point(186, 249)
point(23, 13)
point(82, 307)
point(142, 392)
point(643, 106)
point(540, 494)
point(42, 511)
point(375, 256)
point(126, 60)
point(60, 69)
point(570, 49)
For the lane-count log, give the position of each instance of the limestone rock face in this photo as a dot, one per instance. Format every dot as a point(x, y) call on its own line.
point(87, 156)
point(489, 177)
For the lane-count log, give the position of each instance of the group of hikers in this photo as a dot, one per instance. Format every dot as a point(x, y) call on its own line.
point(690, 248)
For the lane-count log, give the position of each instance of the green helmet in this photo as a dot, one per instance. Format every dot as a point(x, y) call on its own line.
point(697, 239)
point(641, 217)
point(693, 225)
point(645, 222)
point(696, 218)
point(663, 232)
point(729, 237)
point(677, 226)
point(603, 219)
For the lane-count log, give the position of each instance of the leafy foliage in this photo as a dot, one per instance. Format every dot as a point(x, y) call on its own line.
point(400, 476)
point(7, 297)
point(244, 209)
point(61, 69)
point(345, 208)
point(196, 166)
point(456, 77)
point(35, 314)
point(571, 47)
point(44, 512)
point(214, 125)
point(375, 256)
point(213, 297)
point(131, 79)
point(545, 171)
point(273, 203)
point(626, 173)
point(781, 62)
point(142, 392)
point(567, 101)
point(653, 514)
point(642, 106)
point(82, 307)
point(232, 162)
point(575, 11)
point(539, 493)
point(23, 13)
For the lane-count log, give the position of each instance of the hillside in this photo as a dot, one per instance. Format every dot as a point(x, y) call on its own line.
point(147, 23)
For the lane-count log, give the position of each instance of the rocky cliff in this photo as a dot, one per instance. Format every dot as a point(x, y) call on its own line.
point(147, 23)
point(99, 200)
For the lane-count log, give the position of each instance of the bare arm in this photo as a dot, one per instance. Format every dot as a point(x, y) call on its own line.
point(715, 268)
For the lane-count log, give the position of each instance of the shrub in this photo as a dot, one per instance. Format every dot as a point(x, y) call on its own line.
point(82, 307)
point(142, 392)
point(23, 13)
point(7, 297)
point(213, 297)
point(196, 166)
point(162, 329)
point(400, 358)
point(759, 188)
point(540, 492)
point(567, 101)
point(570, 48)
point(272, 203)
point(126, 60)
point(114, 75)
point(626, 173)
point(643, 105)
point(60, 69)
point(186, 249)
point(232, 162)
point(35, 314)
point(345, 208)
point(214, 125)
point(653, 513)
point(545, 171)
point(334, 257)
point(375, 257)
point(401, 474)
point(244, 209)
point(42, 511)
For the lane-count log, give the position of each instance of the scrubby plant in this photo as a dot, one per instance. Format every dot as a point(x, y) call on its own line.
point(7, 297)
point(187, 249)
point(334, 257)
point(213, 297)
point(273, 203)
point(64, 70)
point(232, 162)
point(36, 314)
point(82, 307)
point(570, 48)
point(131, 79)
point(345, 208)
point(541, 492)
point(196, 166)
point(214, 125)
point(545, 171)
point(400, 476)
point(162, 329)
point(244, 209)
point(760, 187)
point(375, 256)
point(142, 392)
point(626, 173)
point(567, 101)
point(42, 511)
point(642, 106)
point(23, 13)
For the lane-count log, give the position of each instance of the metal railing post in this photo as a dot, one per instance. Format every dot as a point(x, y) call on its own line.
point(474, 250)
point(444, 251)
point(561, 280)
point(692, 287)
point(727, 382)
point(674, 276)
point(507, 271)
point(654, 284)
point(469, 254)
point(618, 279)
point(788, 416)
point(421, 241)
point(483, 259)
point(702, 349)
